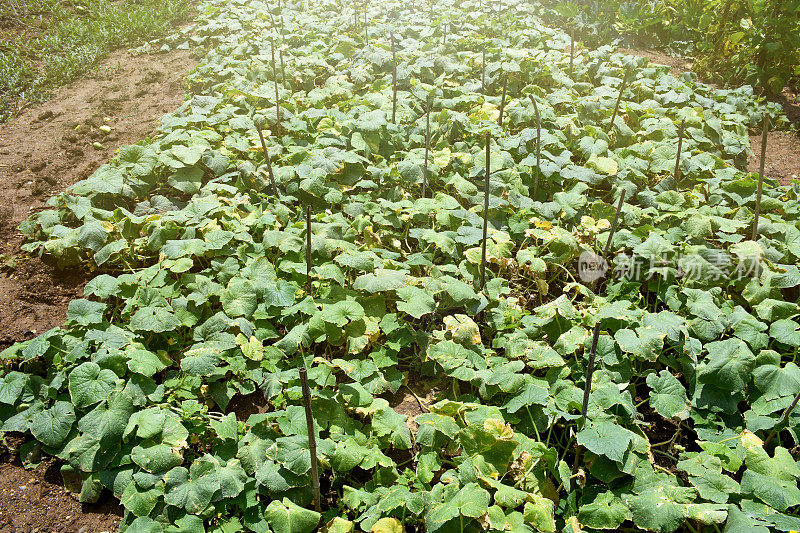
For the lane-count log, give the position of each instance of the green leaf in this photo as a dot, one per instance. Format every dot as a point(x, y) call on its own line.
point(415, 302)
point(342, 312)
point(240, 298)
point(154, 319)
point(381, 281)
point(192, 489)
point(604, 437)
point(774, 492)
point(287, 517)
point(645, 343)
point(729, 365)
point(89, 384)
point(668, 397)
point(605, 512)
point(51, 426)
point(85, 312)
point(471, 501)
point(187, 179)
point(387, 421)
point(147, 363)
point(11, 387)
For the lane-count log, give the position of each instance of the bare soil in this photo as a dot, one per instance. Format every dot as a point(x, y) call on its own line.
point(42, 152)
point(50, 147)
point(36, 501)
point(783, 147)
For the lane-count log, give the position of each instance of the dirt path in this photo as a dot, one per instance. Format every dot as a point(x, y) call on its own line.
point(783, 148)
point(42, 152)
point(50, 147)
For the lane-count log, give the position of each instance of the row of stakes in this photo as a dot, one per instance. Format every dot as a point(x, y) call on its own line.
point(259, 124)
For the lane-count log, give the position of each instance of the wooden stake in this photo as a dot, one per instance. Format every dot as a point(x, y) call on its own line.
point(280, 55)
point(394, 81)
point(483, 73)
point(571, 50)
point(277, 95)
point(308, 250)
point(619, 99)
point(485, 212)
point(312, 438)
point(765, 130)
point(589, 372)
point(538, 147)
point(614, 224)
point(283, 70)
point(785, 415)
point(502, 100)
point(677, 172)
point(266, 158)
point(427, 144)
point(586, 392)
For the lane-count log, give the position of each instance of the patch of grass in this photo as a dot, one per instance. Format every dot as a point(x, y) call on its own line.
point(47, 43)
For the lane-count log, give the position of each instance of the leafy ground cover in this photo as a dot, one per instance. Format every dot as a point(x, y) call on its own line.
point(200, 297)
point(732, 42)
point(45, 44)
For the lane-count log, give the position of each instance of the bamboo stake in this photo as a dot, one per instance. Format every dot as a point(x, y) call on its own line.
point(312, 439)
point(538, 147)
point(614, 223)
point(677, 172)
point(483, 73)
point(765, 130)
point(485, 213)
point(277, 95)
point(280, 54)
point(785, 415)
point(427, 144)
point(586, 393)
point(571, 50)
point(619, 99)
point(308, 250)
point(589, 372)
point(394, 81)
point(502, 100)
point(266, 158)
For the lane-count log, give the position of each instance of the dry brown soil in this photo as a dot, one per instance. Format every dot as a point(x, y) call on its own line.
point(42, 152)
